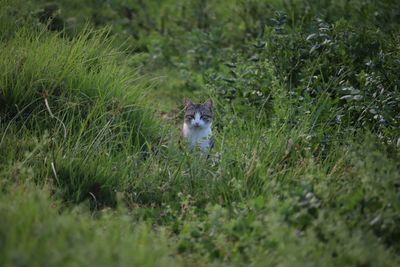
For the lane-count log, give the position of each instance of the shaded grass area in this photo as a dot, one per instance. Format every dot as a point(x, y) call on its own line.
point(303, 172)
point(35, 232)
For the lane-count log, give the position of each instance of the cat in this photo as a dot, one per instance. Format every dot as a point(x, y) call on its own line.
point(197, 125)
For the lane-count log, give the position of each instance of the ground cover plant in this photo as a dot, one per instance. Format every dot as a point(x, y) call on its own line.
point(306, 165)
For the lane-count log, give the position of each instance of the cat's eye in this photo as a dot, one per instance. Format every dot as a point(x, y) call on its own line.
point(189, 117)
point(205, 117)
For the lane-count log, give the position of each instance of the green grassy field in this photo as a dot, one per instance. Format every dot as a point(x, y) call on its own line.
point(306, 166)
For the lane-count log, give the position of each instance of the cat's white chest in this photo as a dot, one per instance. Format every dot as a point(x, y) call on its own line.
point(197, 136)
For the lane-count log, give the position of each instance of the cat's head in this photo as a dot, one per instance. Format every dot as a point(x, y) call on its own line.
point(198, 116)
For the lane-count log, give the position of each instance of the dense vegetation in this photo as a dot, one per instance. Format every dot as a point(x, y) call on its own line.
point(306, 166)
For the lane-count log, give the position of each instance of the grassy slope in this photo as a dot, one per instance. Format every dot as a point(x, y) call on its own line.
point(274, 193)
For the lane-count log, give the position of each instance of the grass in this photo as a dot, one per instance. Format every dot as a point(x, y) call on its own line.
point(73, 237)
point(92, 171)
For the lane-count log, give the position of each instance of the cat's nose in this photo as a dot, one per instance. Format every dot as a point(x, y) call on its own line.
point(196, 124)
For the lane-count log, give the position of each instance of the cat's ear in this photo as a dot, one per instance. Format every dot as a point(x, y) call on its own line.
point(187, 102)
point(208, 104)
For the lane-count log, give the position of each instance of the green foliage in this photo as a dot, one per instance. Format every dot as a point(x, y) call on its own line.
point(347, 63)
point(305, 167)
point(79, 81)
point(34, 233)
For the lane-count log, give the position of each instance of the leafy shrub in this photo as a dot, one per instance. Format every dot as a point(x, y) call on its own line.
point(347, 61)
point(250, 82)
